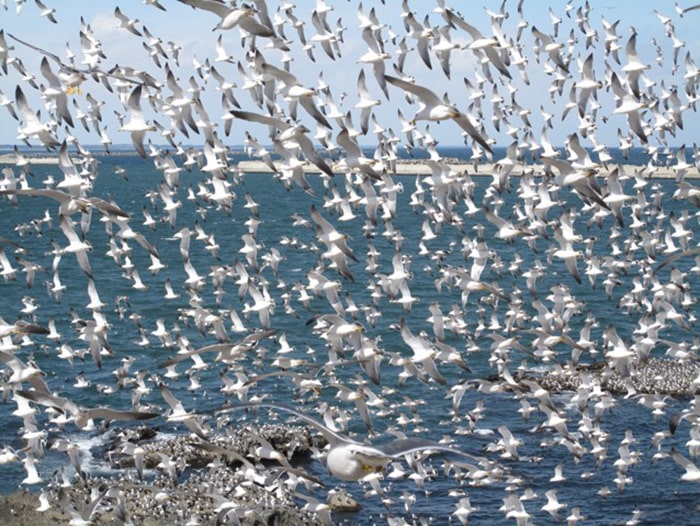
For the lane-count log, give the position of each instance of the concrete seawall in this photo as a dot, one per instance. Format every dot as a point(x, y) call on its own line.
point(417, 167)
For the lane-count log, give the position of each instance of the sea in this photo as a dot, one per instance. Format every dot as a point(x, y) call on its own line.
point(652, 491)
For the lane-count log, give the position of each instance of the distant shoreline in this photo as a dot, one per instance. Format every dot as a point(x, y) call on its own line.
point(403, 166)
point(418, 167)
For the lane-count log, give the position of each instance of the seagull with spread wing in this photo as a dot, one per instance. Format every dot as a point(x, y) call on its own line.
point(137, 125)
point(290, 135)
point(351, 460)
point(83, 416)
point(32, 126)
point(432, 108)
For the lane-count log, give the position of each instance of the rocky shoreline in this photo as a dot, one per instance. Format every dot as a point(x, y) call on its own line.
point(652, 376)
point(234, 477)
point(223, 480)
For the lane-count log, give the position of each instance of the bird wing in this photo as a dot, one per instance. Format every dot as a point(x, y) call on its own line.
point(259, 118)
point(424, 94)
point(61, 404)
point(682, 461)
point(106, 413)
point(404, 446)
point(670, 259)
point(248, 341)
point(466, 124)
point(214, 6)
point(329, 434)
point(326, 227)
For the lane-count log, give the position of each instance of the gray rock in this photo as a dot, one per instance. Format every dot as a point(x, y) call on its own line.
point(654, 375)
point(341, 501)
point(213, 485)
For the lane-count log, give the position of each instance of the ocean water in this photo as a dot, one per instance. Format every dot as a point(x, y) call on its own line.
point(654, 487)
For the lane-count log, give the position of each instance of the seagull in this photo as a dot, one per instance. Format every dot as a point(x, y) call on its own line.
point(582, 181)
point(137, 125)
point(73, 77)
point(424, 352)
point(611, 37)
point(349, 460)
point(56, 93)
point(263, 304)
point(514, 508)
point(630, 105)
point(73, 451)
point(354, 158)
point(290, 133)
point(22, 372)
point(567, 253)
point(47, 12)
point(552, 48)
point(221, 54)
point(179, 414)
point(366, 102)
point(432, 108)
point(420, 33)
point(228, 352)
point(69, 204)
point(7, 102)
point(294, 92)
point(20, 327)
point(324, 34)
point(33, 476)
point(87, 515)
point(233, 16)
point(44, 504)
point(509, 443)
point(33, 127)
point(4, 48)
point(692, 473)
point(375, 56)
point(480, 43)
point(127, 23)
point(76, 245)
point(615, 196)
point(634, 68)
point(587, 86)
point(553, 506)
point(506, 229)
point(83, 416)
point(329, 236)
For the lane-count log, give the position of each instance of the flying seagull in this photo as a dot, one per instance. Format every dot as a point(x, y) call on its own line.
point(432, 108)
point(73, 77)
point(350, 460)
point(83, 415)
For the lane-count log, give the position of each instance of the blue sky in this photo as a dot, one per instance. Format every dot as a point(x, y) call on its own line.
point(192, 30)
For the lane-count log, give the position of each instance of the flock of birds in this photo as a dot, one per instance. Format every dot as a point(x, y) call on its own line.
point(594, 77)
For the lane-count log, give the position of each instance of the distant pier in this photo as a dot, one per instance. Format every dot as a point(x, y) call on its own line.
point(412, 167)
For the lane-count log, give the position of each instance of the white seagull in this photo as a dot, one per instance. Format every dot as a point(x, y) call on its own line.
point(137, 125)
point(83, 416)
point(32, 126)
point(432, 108)
point(692, 473)
point(350, 460)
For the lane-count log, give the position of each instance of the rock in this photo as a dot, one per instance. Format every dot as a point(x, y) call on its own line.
point(196, 453)
point(341, 501)
point(19, 509)
point(652, 376)
point(210, 482)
